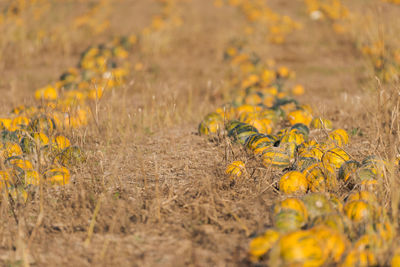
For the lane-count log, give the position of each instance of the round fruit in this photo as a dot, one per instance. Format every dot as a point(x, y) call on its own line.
point(275, 157)
point(363, 195)
point(339, 137)
point(288, 220)
point(360, 258)
point(335, 243)
point(260, 246)
point(359, 211)
point(291, 204)
point(335, 157)
point(317, 204)
point(293, 182)
point(235, 169)
point(301, 248)
point(299, 116)
point(320, 123)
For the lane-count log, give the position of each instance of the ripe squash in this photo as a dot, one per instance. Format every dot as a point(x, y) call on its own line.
point(335, 157)
point(260, 246)
point(359, 211)
point(235, 169)
point(275, 157)
point(291, 203)
point(317, 204)
point(361, 258)
point(293, 182)
point(299, 116)
point(334, 242)
point(300, 248)
point(288, 220)
point(339, 137)
point(320, 123)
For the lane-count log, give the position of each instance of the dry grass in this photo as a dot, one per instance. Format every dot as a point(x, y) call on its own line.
point(153, 192)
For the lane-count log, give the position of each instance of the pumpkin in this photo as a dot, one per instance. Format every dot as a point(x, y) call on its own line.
point(335, 157)
point(241, 132)
point(275, 157)
point(263, 126)
point(333, 220)
point(320, 178)
point(60, 142)
point(288, 220)
point(46, 93)
point(42, 123)
point(303, 163)
point(339, 137)
point(320, 123)
point(293, 182)
point(336, 202)
point(299, 116)
point(211, 124)
point(291, 204)
point(334, 242)
point(317, 204)
point(368, 241)
point(360, 258)
point(395, 262)
point(348, 169)
point(259, 140)
point(363, 195)
point(70, 156)
point(260, 246)
point(385, 231)
point(5, 123)
point(19, 122)
point(235, 169)
point(298, 90)
point(301, 128)
point(310, 150)
point(359, 211)
point(57, 176)
point(292, 137)
point(300, 248)
point(11, 149)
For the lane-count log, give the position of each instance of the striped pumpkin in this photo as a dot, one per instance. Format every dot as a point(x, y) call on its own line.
point(275, 157)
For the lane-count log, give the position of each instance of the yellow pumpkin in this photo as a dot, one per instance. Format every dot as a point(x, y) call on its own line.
point(363, 195)
point(317, 204)
point(359, 211)
point(275, 157)
point(320, 123)
point(301, 248)
point(291, 204)
point(360, 258)
point(395, 262)
point(299, 116)
point(293, 182)
point(260, 246)
point(288, 220)
point(298, 90)
point(334, 242)
point(235, 169)
point(57, 176)
point(339, 137)
point(60, 142)
point(335, 157)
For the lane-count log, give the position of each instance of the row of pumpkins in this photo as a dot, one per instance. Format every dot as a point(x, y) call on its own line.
point(34, 148)
point(328, 212)
point(261, 18)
